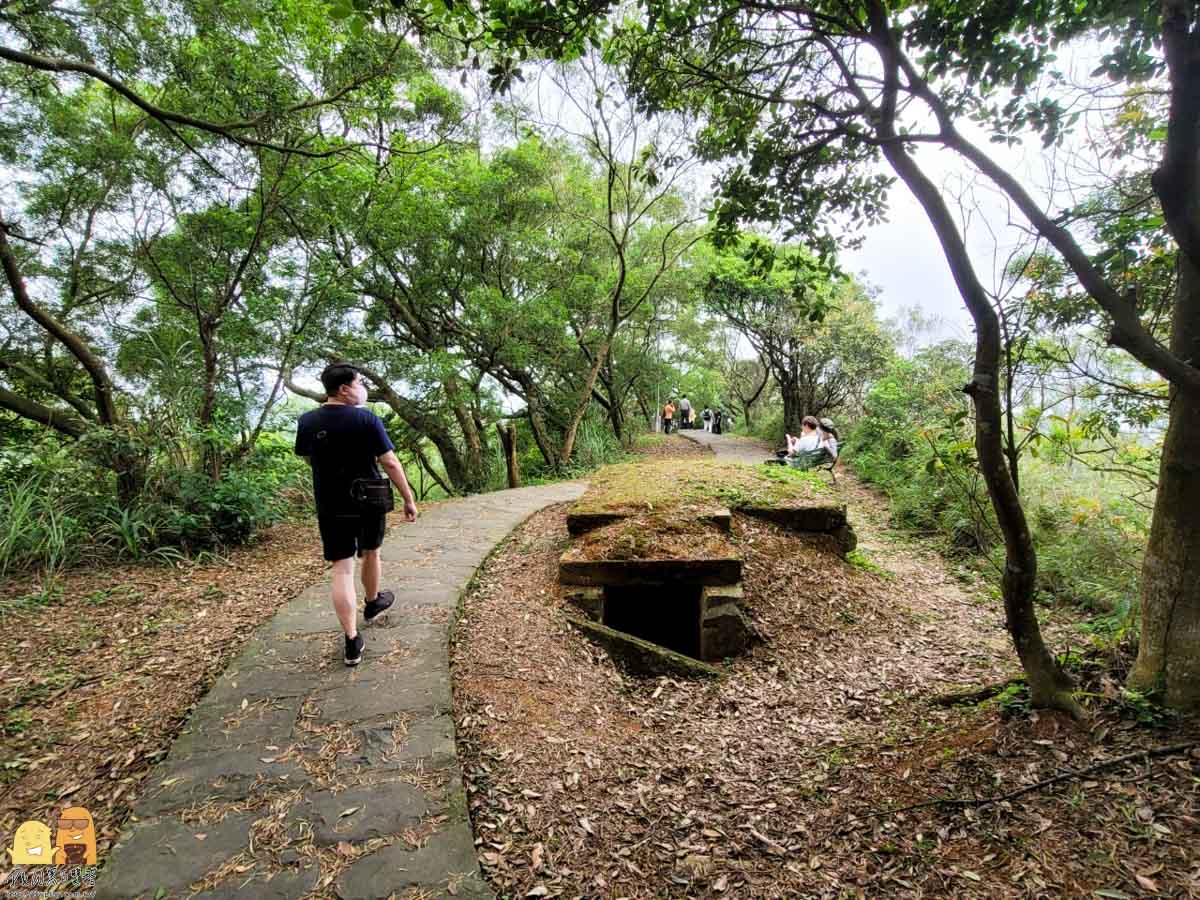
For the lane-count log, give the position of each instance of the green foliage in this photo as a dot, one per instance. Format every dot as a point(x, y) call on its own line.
point(1145, 711)
point(770, 427)
point(58, 509)
point(860, 560)
point(1089, 536)
point(915, 442)
point(1014, 699)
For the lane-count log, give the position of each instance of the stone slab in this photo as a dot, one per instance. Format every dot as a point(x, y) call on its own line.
point(429, 690)
point(286, 885)
point(720, 594)
point(628, 572)
point(212, 731)
point(801, 518)
point(642, 657)
point(428, 740)
point(445, 865)
point(228, 775)
point(167, 855)
point(360, 814)
point(724, 632)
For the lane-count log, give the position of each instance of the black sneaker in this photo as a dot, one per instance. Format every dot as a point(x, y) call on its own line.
point(354, 650)
point(382, 601)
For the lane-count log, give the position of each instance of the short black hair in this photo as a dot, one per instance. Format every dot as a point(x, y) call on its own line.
point(336, 375)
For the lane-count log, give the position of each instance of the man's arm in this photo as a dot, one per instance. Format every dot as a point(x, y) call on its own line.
point(395, 471)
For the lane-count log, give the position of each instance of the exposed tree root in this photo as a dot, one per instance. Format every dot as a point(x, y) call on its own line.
point(1061, 699)
point(976, 695)
point(1062, 776)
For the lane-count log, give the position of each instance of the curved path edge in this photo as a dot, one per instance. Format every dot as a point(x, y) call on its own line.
point(293, 768)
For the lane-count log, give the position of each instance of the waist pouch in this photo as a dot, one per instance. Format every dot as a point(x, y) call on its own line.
point(372, 495)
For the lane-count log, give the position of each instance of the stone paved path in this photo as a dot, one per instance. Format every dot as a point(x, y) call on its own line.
point(293, 768)
point(730, 446)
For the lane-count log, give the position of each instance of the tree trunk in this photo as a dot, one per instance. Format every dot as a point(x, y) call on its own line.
point(1049, 686)
point(1169, 648)
point(210, 460)
point(508, 440)
point(474, 462)
point(793, 406)
point(568, 446)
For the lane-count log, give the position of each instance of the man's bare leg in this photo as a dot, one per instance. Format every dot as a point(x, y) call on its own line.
point(343, 595)
point(370, 573)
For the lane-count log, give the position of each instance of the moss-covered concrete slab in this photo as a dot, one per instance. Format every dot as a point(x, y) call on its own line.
point(800, 517)
point(704, 491)
point(626, 572)
point(584, 521)
point(642, 657)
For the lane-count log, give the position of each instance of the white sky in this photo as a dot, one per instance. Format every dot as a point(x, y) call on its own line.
point(902, 256)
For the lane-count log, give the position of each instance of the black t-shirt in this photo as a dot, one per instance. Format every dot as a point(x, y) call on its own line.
point(343, 443)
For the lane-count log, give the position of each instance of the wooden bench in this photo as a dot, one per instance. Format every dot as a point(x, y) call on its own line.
point(824, 467)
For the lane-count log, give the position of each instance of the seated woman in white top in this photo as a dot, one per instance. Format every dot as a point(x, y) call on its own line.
point(808, 439)
point(825, 452)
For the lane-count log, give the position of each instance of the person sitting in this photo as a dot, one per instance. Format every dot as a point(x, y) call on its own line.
point(808, 439)
point(829, 438)
point(825, 452)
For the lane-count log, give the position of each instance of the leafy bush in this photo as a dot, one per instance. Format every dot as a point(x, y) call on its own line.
point(915, 442)
point(58, 508)
point(769, 428)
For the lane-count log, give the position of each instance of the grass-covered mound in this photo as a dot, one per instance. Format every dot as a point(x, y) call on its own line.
point(679, 508)
point(701, 486)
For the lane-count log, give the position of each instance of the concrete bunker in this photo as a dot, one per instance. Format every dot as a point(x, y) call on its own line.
point(656, 576)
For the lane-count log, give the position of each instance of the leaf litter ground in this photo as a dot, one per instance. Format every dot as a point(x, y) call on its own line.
point(97, 683)
point(776, 781)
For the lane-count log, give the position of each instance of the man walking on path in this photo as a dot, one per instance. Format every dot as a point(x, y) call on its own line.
point(344, 441)
point(685, 411)
point(668, 416)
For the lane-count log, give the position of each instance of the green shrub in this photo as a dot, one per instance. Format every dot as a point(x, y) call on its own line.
point(58, 508)
point(915, 442)
point(769, 428)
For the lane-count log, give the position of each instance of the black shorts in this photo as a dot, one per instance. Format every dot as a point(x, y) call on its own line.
point(343, 536)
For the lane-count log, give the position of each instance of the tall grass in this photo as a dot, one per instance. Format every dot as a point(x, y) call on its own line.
point(58, 510)
point(23, 536)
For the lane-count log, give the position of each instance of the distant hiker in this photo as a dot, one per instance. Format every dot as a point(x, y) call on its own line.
point(685, 411)
point(707, 417)
point(716, 428)
point(342, 441)
point(668, 416)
